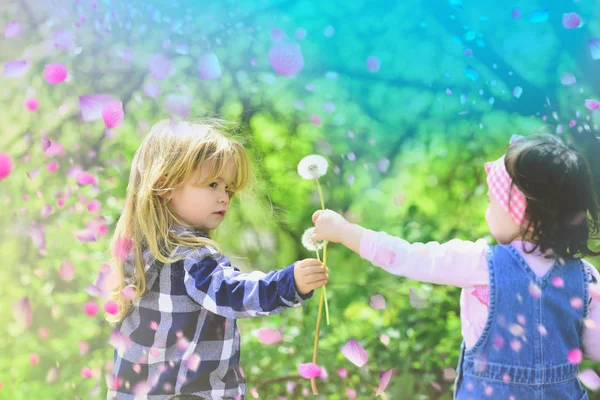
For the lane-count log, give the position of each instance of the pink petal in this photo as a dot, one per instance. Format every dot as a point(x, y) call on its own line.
point(91, 105)
point(112, 113)
point(576, 302)
point(592, 104)
point(34, 359)
point(6, 165)
point(590, 379)
point(277, 35)
point(83, 347)
point(122, 248)
point(384, 380)
point(15, 68)
point(269, 335)
point(46, 143)
point(378, 302)
point(516, 13)
point(208, 67)
point(575, 356)
point(568, 79)
point(193, 362)
point(110, 307)
point(85, 235)
point(128, 292)
point(160, 67)
point(558, 282)
point(468, 52)
point(90, 308)
point(32, 104)
point(52, 375)
point(12, 29)
point(355, 353)
point(286, 58)
point(93, 205)
point(85, 178)
point(67, 271)
point(119, 341)
point(343, 373)
point(21, 310)
point(594, 45)
point(54, 149)
point(86, 372)
point(63, 39)
point(571, 20)
point(373, 64)
point(55, 73)
point(535, 291)
point(309, 370)
point(178, 104)
point(315, 119)
point(151, 89)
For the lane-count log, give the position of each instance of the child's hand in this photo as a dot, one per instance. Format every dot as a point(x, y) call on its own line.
point(309, 274)
point(329, 226)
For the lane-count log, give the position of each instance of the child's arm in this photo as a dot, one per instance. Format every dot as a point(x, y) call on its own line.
point(224, 290)
point(457, 262)
point(591, 334)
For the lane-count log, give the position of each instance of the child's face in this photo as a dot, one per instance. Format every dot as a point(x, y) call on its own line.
point(501, 225)
point(203, 205)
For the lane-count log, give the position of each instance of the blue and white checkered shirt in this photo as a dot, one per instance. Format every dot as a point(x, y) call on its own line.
point(181, 336)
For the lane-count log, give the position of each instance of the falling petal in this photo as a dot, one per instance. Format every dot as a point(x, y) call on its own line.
point(193, 362)
point(568, 79)
point(86, 372)
point(160, 67)
point(576, 302)
point(384, 380)
point(93, 205)
point(110, 307)
point(63, 39)
point(315, 119)
point(355, 353)
point(112, 114)
point(516, 330)
point(91, 105)
point(590, 379)
point(498, 342)
point(378, 302)
point(591, 104)
point(309, 370)
point(558, 282)
point(575, 356)
point(122, 248)
point(373, 64)
point(517, 91)
point(52, 375)
point(269, 335)
point(542, 330)
point(538, 16)
point(571, 20)
point(594, 45)
point(32, 104)
point(471, 73)
point(535, 291)
point(209, 67)
point(128, 292)
point(286, 58)
point(90, 308)
point(12, 29)
point(85, 178)
point(517, 13)
point(85, 235)
point(67, 271)
point(277, 35)
point(16, 68)
point(6, 165)
point(34, 359)
point(151, 89)
point(55, 73)
point(21, 310)
point(468, 52)
point(119, 341)
point(178, 104)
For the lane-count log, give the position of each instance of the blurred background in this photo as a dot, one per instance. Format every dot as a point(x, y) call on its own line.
point(405, 99)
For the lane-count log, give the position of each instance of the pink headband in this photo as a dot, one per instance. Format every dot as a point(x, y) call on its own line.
point(499, 182)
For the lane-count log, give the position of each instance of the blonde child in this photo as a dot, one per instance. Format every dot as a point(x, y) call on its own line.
point(529, 305)
point(178, 295)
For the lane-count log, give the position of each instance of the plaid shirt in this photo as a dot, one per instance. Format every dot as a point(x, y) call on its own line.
point(181, 336)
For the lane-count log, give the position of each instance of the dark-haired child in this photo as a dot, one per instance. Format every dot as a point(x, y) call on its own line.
point(530, 305)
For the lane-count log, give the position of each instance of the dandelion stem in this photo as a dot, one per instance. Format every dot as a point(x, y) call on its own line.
point(313, 381)
point(324, 250)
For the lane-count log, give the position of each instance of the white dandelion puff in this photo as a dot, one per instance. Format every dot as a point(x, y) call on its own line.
point(307, 240)
point(312, 167)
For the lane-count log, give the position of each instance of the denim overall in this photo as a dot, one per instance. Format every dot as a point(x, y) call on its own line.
point(533, 324)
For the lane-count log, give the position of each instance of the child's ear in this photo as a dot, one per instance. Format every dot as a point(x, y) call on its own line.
point(166, 193)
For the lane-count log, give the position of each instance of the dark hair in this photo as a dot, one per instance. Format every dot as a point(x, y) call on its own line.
point(562, 203)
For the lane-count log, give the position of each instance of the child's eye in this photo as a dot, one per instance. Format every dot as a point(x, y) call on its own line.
point(213, 185)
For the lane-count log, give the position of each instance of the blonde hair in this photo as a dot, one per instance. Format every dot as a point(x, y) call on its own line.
point(167, 157)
